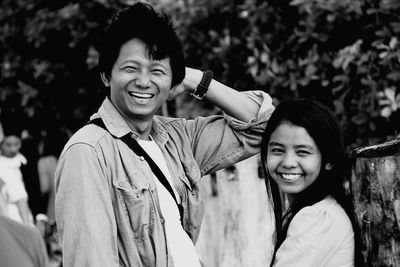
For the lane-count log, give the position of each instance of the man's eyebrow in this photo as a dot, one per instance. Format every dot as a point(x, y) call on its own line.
point(158, 64)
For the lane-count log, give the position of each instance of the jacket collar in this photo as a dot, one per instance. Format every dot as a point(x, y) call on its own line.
point(118, 127)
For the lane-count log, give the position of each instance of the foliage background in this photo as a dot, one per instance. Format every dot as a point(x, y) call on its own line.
point(345, 53)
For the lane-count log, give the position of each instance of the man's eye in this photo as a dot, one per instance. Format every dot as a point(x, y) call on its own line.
point(130, 69)
point(158, 71)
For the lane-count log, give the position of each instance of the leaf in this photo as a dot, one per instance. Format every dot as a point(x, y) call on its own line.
point(393, 42)
point(310, 70)
point(386, 112)
point(394, 76)
point(298, 2)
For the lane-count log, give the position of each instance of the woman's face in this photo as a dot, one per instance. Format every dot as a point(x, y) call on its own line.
point(293, 159)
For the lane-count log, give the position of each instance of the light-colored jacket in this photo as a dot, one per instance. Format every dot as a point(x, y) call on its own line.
point(107, 206)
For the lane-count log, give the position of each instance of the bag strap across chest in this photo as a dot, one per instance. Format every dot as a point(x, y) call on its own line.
point(139, 151)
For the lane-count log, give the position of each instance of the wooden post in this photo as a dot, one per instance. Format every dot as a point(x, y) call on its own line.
point(375, 185)
point(238, 225)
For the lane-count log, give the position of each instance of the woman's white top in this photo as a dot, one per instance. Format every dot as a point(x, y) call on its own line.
point(319, 235)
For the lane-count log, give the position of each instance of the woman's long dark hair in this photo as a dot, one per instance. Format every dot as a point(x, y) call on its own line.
point(323, 126)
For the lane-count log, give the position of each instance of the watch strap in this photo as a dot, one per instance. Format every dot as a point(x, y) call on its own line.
point(202, 88)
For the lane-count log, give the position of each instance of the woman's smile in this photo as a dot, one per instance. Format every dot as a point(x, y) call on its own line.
point(292, 177)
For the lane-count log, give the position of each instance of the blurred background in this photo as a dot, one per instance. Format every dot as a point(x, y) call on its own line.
point(345, 53)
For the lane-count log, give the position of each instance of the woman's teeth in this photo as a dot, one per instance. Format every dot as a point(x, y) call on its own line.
point(290, 177)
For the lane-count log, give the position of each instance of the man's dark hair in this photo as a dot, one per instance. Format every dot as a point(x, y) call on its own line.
point(155, 29)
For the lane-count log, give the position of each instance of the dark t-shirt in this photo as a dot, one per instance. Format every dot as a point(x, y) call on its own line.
point(21, 245)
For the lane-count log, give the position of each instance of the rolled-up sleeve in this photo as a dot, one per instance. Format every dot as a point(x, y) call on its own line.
point(264, 112)
point(220, 141)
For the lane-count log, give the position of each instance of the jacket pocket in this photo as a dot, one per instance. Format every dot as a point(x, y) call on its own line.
point(193, 208)
point(137, 207)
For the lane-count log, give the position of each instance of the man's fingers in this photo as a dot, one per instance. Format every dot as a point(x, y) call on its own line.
point(176, 90)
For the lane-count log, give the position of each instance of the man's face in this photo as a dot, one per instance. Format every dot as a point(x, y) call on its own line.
point(138, 84)
point(10, 146)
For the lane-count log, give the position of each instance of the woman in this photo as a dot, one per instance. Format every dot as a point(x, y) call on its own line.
point(304, 158)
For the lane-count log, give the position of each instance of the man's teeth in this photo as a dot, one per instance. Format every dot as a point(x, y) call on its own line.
point(141, 95)
point(289, 176)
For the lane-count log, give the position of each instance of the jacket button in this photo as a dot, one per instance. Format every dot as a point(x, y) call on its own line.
point(141, 158)
point(162, 220)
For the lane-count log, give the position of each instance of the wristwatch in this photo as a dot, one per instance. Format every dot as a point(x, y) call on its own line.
point(202, 88)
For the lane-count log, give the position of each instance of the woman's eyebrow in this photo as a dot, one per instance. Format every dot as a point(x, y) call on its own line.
point(274, 144)
point(309, 147)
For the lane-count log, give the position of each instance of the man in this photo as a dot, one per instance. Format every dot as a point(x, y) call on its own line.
point(111, 208)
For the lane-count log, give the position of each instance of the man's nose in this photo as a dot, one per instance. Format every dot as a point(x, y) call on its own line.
point(142, 80)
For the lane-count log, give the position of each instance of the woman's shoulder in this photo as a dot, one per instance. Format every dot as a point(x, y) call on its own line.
point(331, 208)
point(325, 217)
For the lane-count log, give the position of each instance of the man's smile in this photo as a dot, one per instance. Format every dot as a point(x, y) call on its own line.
point(141, 98)
point(141, 95)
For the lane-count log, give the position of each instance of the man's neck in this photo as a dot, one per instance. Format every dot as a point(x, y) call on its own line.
point(142, 127)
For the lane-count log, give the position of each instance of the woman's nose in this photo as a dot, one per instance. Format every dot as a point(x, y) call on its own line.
point(289, 160)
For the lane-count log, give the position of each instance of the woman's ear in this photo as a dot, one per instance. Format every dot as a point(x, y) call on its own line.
point(104, 78)
point(328, 166)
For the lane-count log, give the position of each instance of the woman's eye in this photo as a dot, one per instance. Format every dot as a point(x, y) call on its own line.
point(303, 152)
point(276, 150)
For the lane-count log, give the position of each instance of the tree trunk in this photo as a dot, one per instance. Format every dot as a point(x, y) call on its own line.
point(375, 184)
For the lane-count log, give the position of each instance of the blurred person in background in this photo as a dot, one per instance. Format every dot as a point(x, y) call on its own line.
point(51, 148)
point(11, 161)
point(111, 208)
point(20, 245)
point(3, 199)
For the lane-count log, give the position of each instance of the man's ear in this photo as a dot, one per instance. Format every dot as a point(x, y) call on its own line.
point(105, 79)
point(328, 166)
